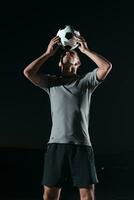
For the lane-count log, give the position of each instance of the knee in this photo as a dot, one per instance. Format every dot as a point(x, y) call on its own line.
point(87, 197)
point(49, 196)
point(87, 194)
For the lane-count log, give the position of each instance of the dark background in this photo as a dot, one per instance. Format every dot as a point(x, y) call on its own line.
point(26, 29)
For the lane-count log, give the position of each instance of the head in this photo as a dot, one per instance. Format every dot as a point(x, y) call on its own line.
point(69, 62)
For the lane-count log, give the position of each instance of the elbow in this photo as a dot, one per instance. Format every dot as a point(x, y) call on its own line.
point(26, 72)
point(108, 67)
point(30, 76)
point(104, 71)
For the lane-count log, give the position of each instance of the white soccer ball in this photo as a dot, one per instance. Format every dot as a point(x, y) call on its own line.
point(67, 39)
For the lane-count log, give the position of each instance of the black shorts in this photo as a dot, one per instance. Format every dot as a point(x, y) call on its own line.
point(69, 161)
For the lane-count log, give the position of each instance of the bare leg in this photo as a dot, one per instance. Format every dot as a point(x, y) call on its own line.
point(51, 193)
point(87, 193)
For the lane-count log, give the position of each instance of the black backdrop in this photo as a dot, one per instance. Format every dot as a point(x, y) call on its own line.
point(26, 29)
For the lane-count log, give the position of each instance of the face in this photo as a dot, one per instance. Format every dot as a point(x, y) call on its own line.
point(69, 59)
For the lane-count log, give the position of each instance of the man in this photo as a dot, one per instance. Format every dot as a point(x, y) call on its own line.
point(69, 151)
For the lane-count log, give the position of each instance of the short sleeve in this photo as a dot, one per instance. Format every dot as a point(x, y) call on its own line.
point(91, 79)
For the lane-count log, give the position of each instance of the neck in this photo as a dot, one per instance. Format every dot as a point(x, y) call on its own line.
point(71, 72)
point(69, 75)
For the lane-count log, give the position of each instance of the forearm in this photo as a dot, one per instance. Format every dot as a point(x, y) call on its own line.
point(34, 66)
point(99, 60)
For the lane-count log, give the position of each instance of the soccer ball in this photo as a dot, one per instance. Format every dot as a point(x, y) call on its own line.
point(67, 40)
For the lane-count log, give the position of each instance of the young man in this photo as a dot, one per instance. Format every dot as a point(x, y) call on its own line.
point(69, 151)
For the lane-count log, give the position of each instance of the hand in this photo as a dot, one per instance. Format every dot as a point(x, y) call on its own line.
point(52, 48)
point(82, 43)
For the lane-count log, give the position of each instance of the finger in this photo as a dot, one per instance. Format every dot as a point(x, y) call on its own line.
point(79, 38)
point(56, 37)
point(79, 42)
point(56, 40)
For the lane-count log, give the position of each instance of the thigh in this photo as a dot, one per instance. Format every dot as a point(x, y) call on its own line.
point(82, 166)
point(51, 192)
point(55, 166)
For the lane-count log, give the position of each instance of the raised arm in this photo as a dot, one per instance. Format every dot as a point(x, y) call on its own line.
point(104, 66)
point(32, 70)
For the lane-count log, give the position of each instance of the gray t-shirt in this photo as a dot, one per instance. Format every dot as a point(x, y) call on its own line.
point(70, 100)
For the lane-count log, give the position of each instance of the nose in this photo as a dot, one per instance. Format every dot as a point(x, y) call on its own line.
point(67, 53)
